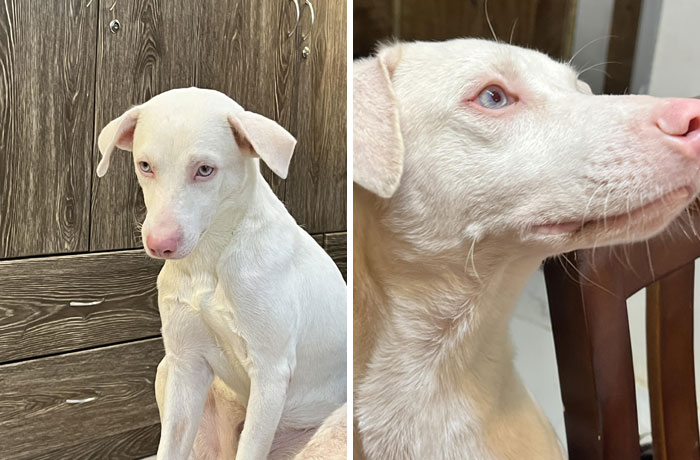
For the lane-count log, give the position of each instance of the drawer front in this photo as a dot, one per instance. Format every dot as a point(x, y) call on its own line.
point(59, 304)
point(90, 404)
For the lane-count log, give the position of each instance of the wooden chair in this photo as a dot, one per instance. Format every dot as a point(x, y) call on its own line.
point(587, 293)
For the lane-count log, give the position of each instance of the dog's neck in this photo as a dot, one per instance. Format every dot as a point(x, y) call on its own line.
point(437, 323)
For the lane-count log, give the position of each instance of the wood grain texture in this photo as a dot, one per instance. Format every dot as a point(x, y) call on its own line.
point(554, 28)
point(670, 366)
point(315, 189)
point(546, 25)
point(243, 51)
point(35, 294)
point(373, 20)
point(36, 415)
point(445, 19)
point(153, 52)
point(47, 62)
point(129, 445)
point(335, 245)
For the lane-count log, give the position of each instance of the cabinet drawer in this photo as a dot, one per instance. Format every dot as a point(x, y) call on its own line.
point(86, 405)
point(116, 295)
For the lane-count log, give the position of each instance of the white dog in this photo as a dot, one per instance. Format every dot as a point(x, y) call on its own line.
point(245, 294)
point(474, 161)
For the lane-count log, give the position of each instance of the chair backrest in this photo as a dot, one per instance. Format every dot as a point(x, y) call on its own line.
point(587, 293)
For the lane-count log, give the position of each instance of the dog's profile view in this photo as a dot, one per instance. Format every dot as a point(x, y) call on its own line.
point(253, 310)
point(473, 161)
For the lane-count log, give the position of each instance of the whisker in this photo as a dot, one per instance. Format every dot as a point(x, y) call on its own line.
point(488, 19)
point(691, 220)
point(629, 216)
point(512, 30)
point(605, 212)
point(584, 277)
point(585, 211)
point(651, 265)
point(588, 44)
point(605, 226)
point(682, 227)
point(603, 72)
point(591, 67)
point(626, 248)
point(471, 254)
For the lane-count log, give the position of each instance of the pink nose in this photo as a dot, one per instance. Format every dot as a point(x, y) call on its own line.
point(163, 246)
point(681, 119)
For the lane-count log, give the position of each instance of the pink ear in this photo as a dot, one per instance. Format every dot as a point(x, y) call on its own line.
point(262, 137)
point(378, 144)
point(118, 133)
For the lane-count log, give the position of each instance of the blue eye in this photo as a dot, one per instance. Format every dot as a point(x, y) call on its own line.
point(493, 97)
point(144, 166)
point(205, 171)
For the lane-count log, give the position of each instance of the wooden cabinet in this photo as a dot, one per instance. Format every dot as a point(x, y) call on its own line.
point(84, 405)
point(315, 190)
point(47, 65)
point(79, 326)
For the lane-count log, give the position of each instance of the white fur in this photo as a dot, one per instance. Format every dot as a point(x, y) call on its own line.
point(484, 197)
point(247, 296)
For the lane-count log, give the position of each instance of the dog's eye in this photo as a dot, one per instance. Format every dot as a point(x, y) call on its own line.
point(145, 167)
point(205, 171)
point(493, 97)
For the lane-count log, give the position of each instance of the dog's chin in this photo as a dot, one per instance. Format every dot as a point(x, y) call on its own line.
point(637, 224)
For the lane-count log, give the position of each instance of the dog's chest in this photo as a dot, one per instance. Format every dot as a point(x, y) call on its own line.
point(194, 305)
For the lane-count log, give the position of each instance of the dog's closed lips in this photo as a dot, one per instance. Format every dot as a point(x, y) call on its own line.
point(668, 204)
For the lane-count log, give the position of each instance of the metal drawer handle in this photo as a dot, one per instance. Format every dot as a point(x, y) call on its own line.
point(77, 303)
point(296, 24)
point(81, 401)
point(313, 19)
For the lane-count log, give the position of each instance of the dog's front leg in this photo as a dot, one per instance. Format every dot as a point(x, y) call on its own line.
point(268, 392)
point(182, 384)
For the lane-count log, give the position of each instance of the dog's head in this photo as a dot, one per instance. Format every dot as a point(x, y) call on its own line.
point(471, 139)
point(193, 150)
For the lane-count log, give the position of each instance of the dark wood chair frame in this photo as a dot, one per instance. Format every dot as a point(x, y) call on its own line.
point(587, 293)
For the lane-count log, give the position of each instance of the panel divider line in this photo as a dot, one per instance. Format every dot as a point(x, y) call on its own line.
point(79, 350)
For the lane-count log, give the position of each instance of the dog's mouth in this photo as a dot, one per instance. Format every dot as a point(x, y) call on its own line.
point(642, 219)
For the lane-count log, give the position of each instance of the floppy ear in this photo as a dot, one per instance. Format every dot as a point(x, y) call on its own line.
point(264, 138)
point(118, 133)
point(378, 145)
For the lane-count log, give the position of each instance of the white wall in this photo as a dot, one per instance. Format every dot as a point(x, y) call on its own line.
point(667, 56)
point(676, 64)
